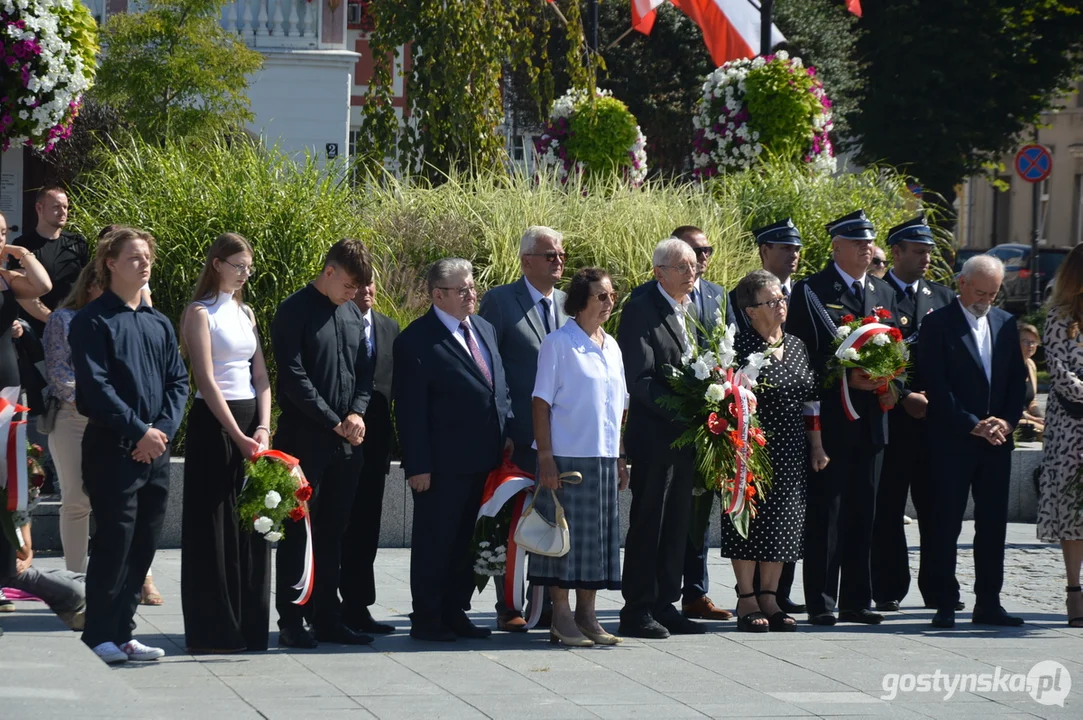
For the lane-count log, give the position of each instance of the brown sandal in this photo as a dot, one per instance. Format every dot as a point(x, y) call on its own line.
point(150, 595)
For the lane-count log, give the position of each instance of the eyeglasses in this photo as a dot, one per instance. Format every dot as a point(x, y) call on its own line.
point(1030, 343)
point(706, 251)
point(552, 256)
point(773, 303)
point(464, 292)
point(248, 270)
point(683, 268)
point(878, 262)
point(603, 296)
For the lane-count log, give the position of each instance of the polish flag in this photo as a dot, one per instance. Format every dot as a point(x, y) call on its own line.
point(854, 6)
point(643, 14)
point(731, 28)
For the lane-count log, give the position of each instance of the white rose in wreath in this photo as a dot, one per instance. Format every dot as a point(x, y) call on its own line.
point(263, 524)
point(273, 536)
point(715, 393)
point(271, 500)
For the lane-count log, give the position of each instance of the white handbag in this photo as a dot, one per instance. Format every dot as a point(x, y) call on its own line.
point(537, 535)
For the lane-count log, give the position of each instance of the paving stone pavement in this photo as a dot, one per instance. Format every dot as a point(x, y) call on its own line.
point(47, 673)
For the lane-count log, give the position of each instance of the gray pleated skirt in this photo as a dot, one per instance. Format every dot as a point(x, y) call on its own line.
point(593, 516)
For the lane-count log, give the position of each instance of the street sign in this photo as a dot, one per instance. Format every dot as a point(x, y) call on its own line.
point(332, 151)
point(1033, 163)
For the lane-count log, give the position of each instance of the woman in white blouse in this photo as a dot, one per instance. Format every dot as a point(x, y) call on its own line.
point(225, 571)
point(579, 400)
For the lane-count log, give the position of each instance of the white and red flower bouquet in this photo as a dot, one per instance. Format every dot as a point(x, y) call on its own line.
point(716, 403)
point(876, 349)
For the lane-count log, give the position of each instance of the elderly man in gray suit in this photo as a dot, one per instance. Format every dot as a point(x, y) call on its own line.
point(523, 313)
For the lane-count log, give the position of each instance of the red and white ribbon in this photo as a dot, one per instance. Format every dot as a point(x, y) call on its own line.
point(855, 341)
point(509, 483)
point(14, 480)
point(308, 571)
point(734, 387)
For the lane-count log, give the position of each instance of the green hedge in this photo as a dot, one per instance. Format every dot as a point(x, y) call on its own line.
point(291, 211)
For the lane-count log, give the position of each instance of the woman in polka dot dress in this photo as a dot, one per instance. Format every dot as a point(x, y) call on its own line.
point(785, 394)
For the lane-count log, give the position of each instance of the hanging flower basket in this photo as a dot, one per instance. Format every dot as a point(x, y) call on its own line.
point(592, 136)
point(47, 63)
point(752, 110)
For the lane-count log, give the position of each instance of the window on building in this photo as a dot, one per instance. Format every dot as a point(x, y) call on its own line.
point(354, 141)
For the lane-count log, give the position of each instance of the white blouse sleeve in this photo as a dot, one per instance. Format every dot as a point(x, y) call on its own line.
point(547, 382)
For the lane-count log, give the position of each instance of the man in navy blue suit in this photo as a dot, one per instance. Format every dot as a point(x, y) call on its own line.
point(975, 378)
point(452, 410)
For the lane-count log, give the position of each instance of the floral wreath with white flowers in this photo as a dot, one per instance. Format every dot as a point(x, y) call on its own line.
point(565, 139)
point(47, 63)
point(767, 107)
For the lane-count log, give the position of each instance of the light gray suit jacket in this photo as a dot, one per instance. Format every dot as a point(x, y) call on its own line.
point(519, 334)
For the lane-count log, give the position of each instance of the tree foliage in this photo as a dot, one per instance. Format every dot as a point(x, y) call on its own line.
point(174, 71)
point(951, 86)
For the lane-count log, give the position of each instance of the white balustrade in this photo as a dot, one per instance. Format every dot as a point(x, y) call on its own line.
point(274, 23)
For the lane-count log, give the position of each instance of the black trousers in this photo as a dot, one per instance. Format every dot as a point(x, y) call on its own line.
point(362, 536)
point(838, 529)
point(654, 549)
point(225, 570)
point(970, 466)
point(441, 562)
point(128, 499)
point(906, 469)
point(332, 468)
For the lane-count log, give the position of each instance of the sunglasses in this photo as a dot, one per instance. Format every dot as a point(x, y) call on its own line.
point(878, 262)
point(551, 256)
point(603, 296)
point(705, 251)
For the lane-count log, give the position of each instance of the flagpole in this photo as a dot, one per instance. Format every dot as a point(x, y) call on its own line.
point(766, 11)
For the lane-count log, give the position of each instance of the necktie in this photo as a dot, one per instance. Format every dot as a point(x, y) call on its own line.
point(910, 292)
point(368, 338)
point(785, 291)
point(545, 315)
point(475, 352)
point(859, 292)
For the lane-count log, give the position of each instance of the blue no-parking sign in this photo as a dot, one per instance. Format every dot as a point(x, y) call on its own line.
point(1033, 163)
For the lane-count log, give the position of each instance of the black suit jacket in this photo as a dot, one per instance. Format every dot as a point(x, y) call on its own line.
point(960, 395)
point(450, 420)
point(827, 290)
point(930, 296)
point(650, 338)
point(714, 296)
point(378, 426)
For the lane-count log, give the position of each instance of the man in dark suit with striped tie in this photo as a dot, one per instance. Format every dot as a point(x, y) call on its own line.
point(780, 249)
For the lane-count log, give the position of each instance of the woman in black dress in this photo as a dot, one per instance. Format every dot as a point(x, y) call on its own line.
point(25, 284)
point(785, 394)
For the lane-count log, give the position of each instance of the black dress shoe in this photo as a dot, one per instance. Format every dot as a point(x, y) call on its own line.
point(678, 624)
point(888, 606)
point(863, 616)
point(366, 624)
point(994, 616)
point(647, 628)
point(959, 606)
point(789, 606)
point(944, 619)
point(825, 619)
point(296, 637)
point(432, 633)
point(462, 627)
point(341, 634)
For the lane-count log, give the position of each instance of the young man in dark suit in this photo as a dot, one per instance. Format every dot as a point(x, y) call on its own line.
point(655, 331)
point(906, 461)
point(975, 377)
point(453, 415)
point(842, 496)
point(522, 313)
point(362, 537)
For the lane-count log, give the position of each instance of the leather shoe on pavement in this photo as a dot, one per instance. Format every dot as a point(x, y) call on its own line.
point(341, 634)
point(678, 624)
point(704, 609)
point(432, 633)
point(825, 619)
point(463, 628)
point(864, 616)
point(888, 606)
point(296, 637)
point(944, 619)
point(994, 616)
point(647, 628)
point(959, 606)
point(789, 606)
point(368, 625)
point(511, 622)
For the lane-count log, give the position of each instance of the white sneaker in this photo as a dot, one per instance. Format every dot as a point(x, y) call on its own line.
point(135, 650)
point(110, 653)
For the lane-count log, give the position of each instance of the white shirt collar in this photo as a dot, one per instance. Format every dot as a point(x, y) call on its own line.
point(974, 321)
point(450, 321)
point(368, 317)
point(902, 285)
point(535, 294)
point(849, 278)
point(673, 303)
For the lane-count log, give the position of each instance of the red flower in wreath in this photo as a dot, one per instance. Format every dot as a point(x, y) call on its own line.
point(717, 425)
point(895, 334)
point(883, 314)
point(847, 319)
point(303, 493)
point(757, 435)
point(868, 320)
point(297, 514)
